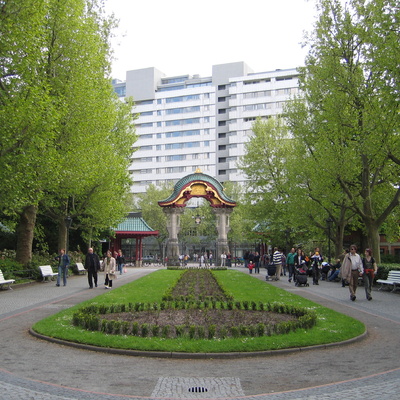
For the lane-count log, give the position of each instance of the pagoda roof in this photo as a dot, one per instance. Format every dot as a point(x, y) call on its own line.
point(134, 224)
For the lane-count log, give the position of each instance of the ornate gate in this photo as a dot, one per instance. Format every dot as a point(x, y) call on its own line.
point(197, 185)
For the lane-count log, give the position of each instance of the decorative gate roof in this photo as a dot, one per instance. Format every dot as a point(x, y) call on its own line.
point(134, 226)
point(198, 185)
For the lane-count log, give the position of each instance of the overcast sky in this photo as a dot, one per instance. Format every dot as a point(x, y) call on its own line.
point(189, 36)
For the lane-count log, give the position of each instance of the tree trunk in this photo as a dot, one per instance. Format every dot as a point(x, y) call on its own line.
point(62, 234)
point(25, 234)
point(373, 240)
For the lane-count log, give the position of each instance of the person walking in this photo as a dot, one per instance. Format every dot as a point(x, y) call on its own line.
point(277, 259)
point(316, 260)
point(290, 262)
point(120, 261)
point(370, 270)
point(351, 269)
point(63, 264)
point(92, 265)
point(256, 263)
point(110, 266)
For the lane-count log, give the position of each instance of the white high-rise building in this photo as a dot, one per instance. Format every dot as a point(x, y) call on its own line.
point(189, 122)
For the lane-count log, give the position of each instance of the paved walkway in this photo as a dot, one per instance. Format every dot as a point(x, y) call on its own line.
point(36, 369)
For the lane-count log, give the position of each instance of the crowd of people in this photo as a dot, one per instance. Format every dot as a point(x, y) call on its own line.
point(347, 269)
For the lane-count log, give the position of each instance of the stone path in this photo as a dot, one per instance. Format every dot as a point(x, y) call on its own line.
point(36, 369)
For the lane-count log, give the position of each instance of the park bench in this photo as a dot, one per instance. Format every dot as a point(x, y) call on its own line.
point(392, 279)
point(5, 281)
point(80, 268)
point(47, 271)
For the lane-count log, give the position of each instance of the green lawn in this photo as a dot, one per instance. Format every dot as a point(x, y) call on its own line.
point(331, 326)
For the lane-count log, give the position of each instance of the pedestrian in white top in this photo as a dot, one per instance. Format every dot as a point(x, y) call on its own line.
point(223, 259)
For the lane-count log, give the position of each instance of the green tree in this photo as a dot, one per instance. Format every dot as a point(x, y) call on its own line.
point(152, 213)
point(69, 142)
point(351, 122)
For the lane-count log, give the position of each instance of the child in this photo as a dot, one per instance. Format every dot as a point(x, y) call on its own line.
point(250, 266)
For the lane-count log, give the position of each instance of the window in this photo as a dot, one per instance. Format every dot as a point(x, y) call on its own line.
point(222, 147)
point(146, 148)
point(167, 81)
point(206, 143)
point(222, 172)
point(285, 78)
point(158, 147)
point(146, 113)
point(147, 125)
point(206, 119)
point(158, 123)
point(221, 123)
point(222, 111)
point(221, 99)
point(171, 170)
point(149, 136)
point(221, 87)
point(182, 110)
point(182, 133)
point(120, 90)
point(170, 88)
point(176, 157)
point(201, 84)
point(144, 102)
point(159, 135)
point(177, 146)
point(183, 121)
point(159, 101)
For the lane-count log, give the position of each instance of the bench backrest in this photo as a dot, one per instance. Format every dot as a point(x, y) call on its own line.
point(80, 267)
point(46, 269)
point(394, 275)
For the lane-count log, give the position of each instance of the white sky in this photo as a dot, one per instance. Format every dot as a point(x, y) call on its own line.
point(189, 36)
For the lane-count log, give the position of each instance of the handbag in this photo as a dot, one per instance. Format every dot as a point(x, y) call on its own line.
point(125, 270)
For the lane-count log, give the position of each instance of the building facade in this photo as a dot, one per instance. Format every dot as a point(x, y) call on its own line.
point(188, 122)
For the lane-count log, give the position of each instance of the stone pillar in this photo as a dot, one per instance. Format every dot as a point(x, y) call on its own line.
point(222, 229)
point(173, 227)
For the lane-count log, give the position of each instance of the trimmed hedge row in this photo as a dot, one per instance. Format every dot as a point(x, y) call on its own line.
point(90, 318)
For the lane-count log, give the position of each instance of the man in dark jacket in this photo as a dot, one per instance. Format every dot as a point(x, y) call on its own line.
point(92, 264)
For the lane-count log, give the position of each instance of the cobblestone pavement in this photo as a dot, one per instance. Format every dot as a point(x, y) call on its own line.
point(36, 369)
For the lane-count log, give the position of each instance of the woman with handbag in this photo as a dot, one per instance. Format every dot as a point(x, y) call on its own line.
point(370, 270)
point(110, 266)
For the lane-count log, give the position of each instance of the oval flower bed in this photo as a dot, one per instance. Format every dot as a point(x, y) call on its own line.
point(196, 308)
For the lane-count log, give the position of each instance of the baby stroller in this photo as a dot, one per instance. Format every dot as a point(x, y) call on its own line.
point(300, 276)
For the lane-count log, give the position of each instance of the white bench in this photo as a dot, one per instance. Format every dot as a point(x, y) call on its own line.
point(47, 271)
point(80, 268)
point(392, 279)
point(5, 281)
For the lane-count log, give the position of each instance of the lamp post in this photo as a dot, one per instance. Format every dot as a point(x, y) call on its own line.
point(329, 221)
point(68, 223)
